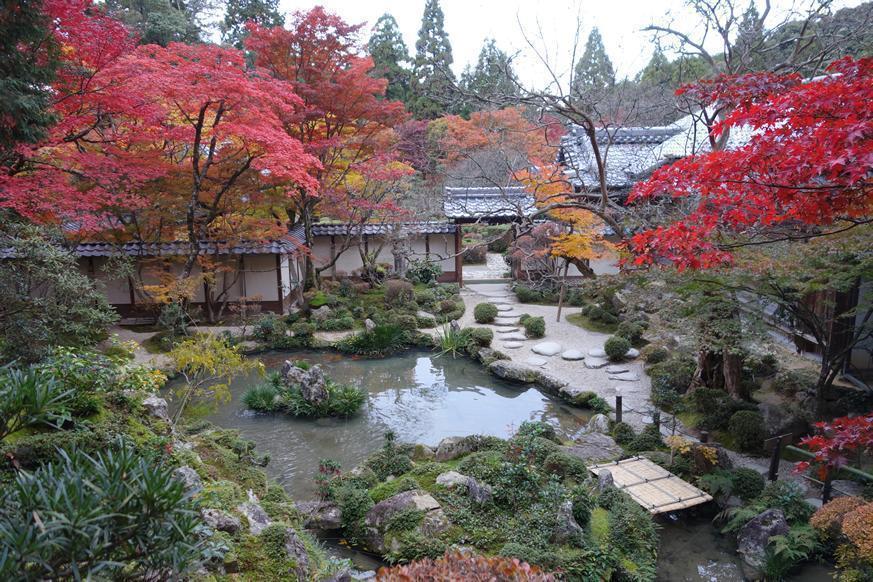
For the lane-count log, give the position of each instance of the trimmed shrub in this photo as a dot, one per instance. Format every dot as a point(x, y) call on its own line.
point(632, 332)
point(425, 298)
point(398, 292)
point(382, 341)
point(647, 440)
point(425, 322)
point(534, 327)
point(481, 336)
point(423, 271)
point(538, 429)
point(337, 324)
point(405, 321)
point(719, 416)
point(599, 314)
point(527, 294)
point(616, 348)
point(792, 381)
point(564, 465)
point(674, 374)
point(447, 306)
point(589, 399)
point(485, 313)
point(623, 433)
point(654, 354)
point(707, 399)
point(747, 429)
point(747, 483)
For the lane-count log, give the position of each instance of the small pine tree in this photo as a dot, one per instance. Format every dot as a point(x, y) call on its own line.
point(594, 72)
point(432, 73)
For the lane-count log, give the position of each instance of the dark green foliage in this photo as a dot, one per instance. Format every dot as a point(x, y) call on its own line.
point(343, 323)
point(398, 293)
point(45, 300)
point(789, 496)
point(674, 374)
point(747, 483)
point(483, 465)
point(481, 336)
point(93, 521)
point(593, 74)
point(388, 489)
point(485, 313)
point(534, 327)
point(475, 253)
point(423, 271)
point(565, 465)
point(747, 428)
point(30, 398)
point(302, 330)
point(706, 399)
point(383, 341)
point(527, 294)
point(157, 22)
point(238, 12)
point(654, 354)
point(491, 79)
point(632, 332)
point(391, 459)
point(405, 321)
point(275, 396)
point(533, 428)
point(718, 417)
point(583, 503)
point(616, 347)
point(426, 298)
point(432, 73)
point(623, 433)
point(645, 441)
point(263, 398)
point(354, 503)
point(591, 400)
point(390, 55)
point(600, 315)
point(791, 382)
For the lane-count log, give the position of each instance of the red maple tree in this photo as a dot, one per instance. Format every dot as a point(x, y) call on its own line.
point(806, 170)
point(838, 443)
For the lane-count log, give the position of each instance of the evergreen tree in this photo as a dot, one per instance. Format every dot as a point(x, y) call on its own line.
point(594, 72)
point(432, 73)
point(492, 79)
point(157, 21)
point(238, 12)
point(750, 41)
point(389, 54)
point(27, 65)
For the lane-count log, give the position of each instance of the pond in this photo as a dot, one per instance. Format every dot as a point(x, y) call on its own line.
point(420, 396)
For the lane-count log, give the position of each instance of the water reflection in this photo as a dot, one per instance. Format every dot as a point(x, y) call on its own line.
point(421, 397)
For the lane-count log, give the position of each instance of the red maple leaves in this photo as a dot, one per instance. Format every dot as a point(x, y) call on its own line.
point(808, 163)
point(838, 443)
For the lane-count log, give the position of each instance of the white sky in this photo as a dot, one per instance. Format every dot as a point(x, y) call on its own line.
point(470, 22)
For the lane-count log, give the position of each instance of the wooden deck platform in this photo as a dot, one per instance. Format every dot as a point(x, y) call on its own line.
point(653, 487)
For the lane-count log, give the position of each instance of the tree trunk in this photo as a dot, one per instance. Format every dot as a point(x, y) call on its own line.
point(731, 372)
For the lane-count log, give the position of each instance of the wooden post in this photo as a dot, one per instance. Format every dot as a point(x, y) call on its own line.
point(774, 459)
point(459, 269)
point(704, 436)
point(826, 490)
point(618, 407)
point(563, 289)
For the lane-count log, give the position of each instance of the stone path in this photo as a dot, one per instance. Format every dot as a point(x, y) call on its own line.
point(494, 268)
point(571, 362)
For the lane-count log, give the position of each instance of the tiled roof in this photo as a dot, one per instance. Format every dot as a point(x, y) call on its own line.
point(692, 138)
point(289, 245)
point(487, 202)
point(424, 227)
point(630, 153)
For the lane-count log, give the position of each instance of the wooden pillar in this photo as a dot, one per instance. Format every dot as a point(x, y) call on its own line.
point(773, 472)
point(427, 246)
point(333, 254)
point(279, 284)
point(459, 269)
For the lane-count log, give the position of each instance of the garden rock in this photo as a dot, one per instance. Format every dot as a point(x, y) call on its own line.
point(353, 576)
point(453, 447)
point(550, 383)
point(594, 446)
point(434, 521)
point(252, 510)
point(617, 369)
point(632, 354)
point(507, 330)
point(479, 493)
point(291, 374)
point(782, 420)
point(597, 353)
point(296, 551)
point(573, 355)
point(423, 453)
point(702, 459)
point(509, 370)
point(452, 479)
point(536, 361)
point(514, 337)
point(157, 407)
point(313, 386)
point(321, 314)
point(369, 325)
point(625, 377)
point(604, 480)
point(753, 538)
point(220, 520)
point(512, 345)
point(456, 327)
point(598, 423)
point(504, 308)
point(547, 348)
point(320, 515)
point(189, 478)
point(566, 528)
point(594, 362)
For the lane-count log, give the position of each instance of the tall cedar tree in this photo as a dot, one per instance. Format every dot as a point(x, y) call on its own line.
point(390, 57)
point(156, 21)
point(154, 144)
point(345, 121)
point(432, 74)
point(238, 12)
point(594, 73)
point(492, 79)
point(27, 67)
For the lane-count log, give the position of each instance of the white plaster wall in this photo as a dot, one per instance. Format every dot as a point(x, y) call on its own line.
point(260, 274)
point(116, 289)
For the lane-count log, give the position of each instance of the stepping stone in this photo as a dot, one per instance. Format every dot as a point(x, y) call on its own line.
point(505, 323)
point(632, 353)
point(573, 355)
point(618, 369)
point(597, 353)
point(547, 348)
point(507, 330)
point(536, 361)
point(512, 345)
point(504, 307)
point(594, 363)
point(514, 337)
point(625, 377)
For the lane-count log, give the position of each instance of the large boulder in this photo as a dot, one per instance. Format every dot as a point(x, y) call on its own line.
point(321, 314)
point(453, 447)
point(594, 446)
point(709, 457)
point(479, 493)
point(452, 479)
point(313, 386)
point(566, 528)
point(296, 551)
point(753, 538)
point(157, 407)
point(291, 374)
point(547, 348)
point(369, 325)
point(513, 371)
point(255, 514)
point(189, 478)
point(605, 480)
point(598, 423)
point(320, 515)
point(220, 520)
point(380, 540)
point(782, 419)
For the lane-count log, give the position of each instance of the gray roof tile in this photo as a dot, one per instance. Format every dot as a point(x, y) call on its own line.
point(488, 202)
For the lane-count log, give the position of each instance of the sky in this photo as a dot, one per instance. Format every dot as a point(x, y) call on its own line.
point(550, 24)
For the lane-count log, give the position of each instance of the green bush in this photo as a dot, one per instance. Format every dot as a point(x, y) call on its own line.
point(537, 428)
point(483, 465)
point(405, 321)
point(527, 294)
point(384, 340)
point(630, 331)
point(303, 329)
point(707, 399)
point(616, 348)
point(261, 398)
point(498, 245)
point(481, 336)
point(718, 417)
point(623, 433)
point(270, 329)
point(588, 399)
point(423, 271)
point(601, 315)
point(792, 381)
point(337, 324)
point(747, 483)
point(426, 298)
point(91, 523)
point(275, 396)
point(29, 398)
point(583, 503)
point(423, 322)
point(747, 429)
point(654, 354)
point(674, 374)
point(565, 465)
point(398, 293)
point(485, 313)
point(474, 254)
point(320, 299)
point(534, 327)
point(447, 306)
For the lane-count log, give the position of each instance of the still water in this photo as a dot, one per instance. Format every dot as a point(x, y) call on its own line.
point(420, 396)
